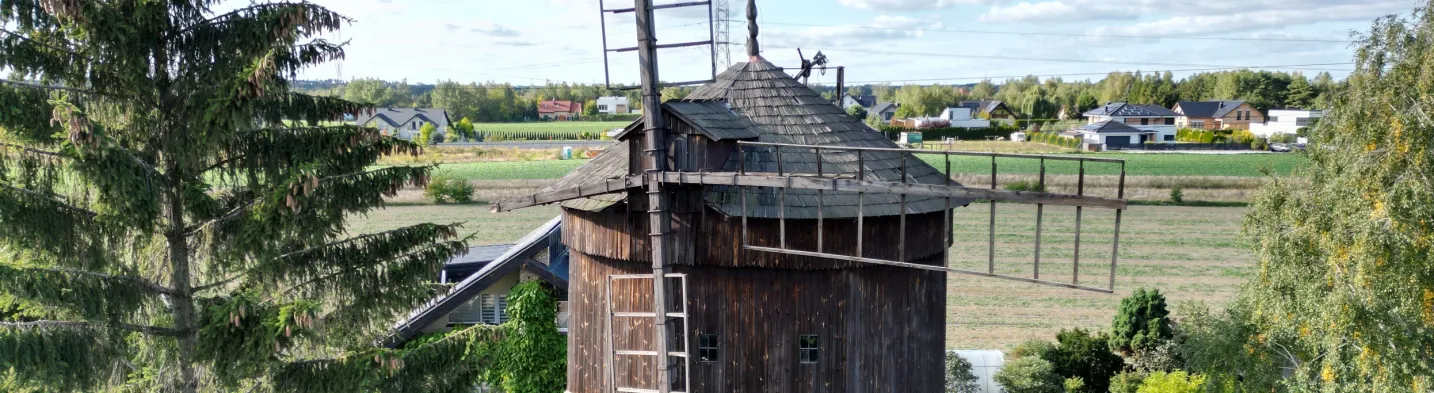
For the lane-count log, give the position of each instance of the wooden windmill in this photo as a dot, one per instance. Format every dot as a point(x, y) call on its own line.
point(798, 250)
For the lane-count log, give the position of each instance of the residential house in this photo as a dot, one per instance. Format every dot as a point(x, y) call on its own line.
point(1286, 121)
point(613, 105)
point(1111, 133)
point(482, 279)
point(1217, 115)
point(996, 111)
point(885, 110)
point(404, 123)
point(1156, 122)
point(865, 102)
point(559, 110)
point(963, 117)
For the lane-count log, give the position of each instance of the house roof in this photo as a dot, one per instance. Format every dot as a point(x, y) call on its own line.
point(985, 106)
point(783, 111)
point(1208, 109)
point(477, 255)
point(396, 117)
point(1110, 126)
point(864, 101)
point(512, 258)
point(552, 106)
point(1122, 109)
point(884, 106)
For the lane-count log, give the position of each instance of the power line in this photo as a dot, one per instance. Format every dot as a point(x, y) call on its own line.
point(1287, 66)
point(993, 57)
point(1067, 34)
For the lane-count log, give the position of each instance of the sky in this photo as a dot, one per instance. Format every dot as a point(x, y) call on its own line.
point(529, 42)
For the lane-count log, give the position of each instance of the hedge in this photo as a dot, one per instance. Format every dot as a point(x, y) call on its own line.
point(938, 134)
point(1055, 139)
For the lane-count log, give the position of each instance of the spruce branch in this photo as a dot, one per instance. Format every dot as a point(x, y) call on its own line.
point(47, 197)
point(156, 288)
point(236, 212)
point(33, 150)
point(151, 330)
point(253, 10)
point(47, 87)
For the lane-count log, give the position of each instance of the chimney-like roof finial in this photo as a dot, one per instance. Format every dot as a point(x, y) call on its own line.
point(754, 52)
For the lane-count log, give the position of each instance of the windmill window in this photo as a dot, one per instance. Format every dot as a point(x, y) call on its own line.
point(707, 348)
point(809, 349)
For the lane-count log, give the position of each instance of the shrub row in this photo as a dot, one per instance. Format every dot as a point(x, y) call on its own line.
point(938, 134)
point(1055, 139)
point(535, 135)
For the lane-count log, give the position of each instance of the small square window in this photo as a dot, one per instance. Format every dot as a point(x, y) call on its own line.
point(707, 348)
point(810, 349)
point(1144, 122)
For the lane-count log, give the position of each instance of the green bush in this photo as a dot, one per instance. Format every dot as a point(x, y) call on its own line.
point(1081, 354)
point(1284, 138)
point(1029, 375)
point(425, 134)
point(1143, 320)
point(1074, 385)
point(449, 190)
point(1260, 144)
point(1173, 382)
point(959, 377)
point(1025, 185)
point(1177, 196)
point(1033, 348)
point(1126, 382)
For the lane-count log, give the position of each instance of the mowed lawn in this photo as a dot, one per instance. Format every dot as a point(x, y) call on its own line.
point(1189, 253)
point(1234, 165)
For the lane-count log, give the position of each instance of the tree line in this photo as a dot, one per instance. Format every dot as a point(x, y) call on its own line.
point(1054, 98)
point(1030, 97)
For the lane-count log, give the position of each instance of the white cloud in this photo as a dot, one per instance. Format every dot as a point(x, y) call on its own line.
point(908, 5)
point(881, 28)
point(1058, 10)
point(1249, 21)
point(490, 29)
point(1073, 11)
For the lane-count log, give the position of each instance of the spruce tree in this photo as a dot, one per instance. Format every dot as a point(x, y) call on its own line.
point(172, 218)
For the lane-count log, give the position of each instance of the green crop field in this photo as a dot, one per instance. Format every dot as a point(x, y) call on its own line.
point(1237, 165)
point(1189, 253)
point(554, 130)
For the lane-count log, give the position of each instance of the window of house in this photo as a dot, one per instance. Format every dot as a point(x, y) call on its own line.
point(1302, 121)
point(493, 308)
point(1197, 124)
point(602, 107)
point(1169, 121)
point(1169, 138)
point(1238, 115)
point(707, 348)
point(414, 125)
point(809, 348)
point(1144, 122)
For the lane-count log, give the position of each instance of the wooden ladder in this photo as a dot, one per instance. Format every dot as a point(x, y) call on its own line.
point(681, 377)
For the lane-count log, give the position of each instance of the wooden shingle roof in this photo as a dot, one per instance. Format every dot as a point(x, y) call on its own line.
point(768, 105)
point(790, 112)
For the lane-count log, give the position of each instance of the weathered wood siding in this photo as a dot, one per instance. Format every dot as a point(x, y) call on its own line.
point(705, 237)
point(882, 329)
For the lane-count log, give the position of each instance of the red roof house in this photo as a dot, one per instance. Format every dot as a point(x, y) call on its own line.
point(559, 110)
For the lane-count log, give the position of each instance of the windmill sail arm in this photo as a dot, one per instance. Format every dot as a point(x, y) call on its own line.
point(829, 183)
point(566, 194)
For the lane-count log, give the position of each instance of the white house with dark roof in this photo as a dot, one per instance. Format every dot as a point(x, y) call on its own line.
point(404, 123)
point(884, 110)
point(1156, 122)
point(865, 102)
point(1110, 133)
point(1286, 121)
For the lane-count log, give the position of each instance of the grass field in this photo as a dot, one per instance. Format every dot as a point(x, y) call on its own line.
point(1189, 253)
point(553, 130)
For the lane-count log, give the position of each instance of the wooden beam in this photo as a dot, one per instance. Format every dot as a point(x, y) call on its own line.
point(567, 194)
point(808, 182)
point(923, 267)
